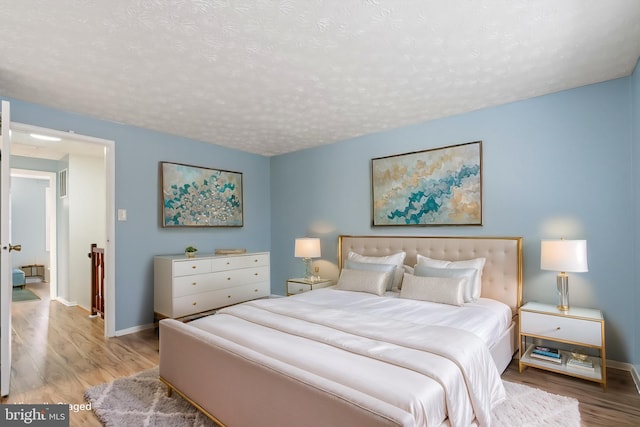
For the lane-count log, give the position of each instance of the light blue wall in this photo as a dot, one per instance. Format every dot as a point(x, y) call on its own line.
point(28, 221)
point(137, 156)
point(557, 165)
point(635, 132)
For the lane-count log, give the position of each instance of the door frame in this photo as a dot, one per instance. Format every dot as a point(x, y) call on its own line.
point(109, 250)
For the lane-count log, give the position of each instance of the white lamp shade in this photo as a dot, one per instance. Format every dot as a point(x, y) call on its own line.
point(564, 255)
point(307, 247)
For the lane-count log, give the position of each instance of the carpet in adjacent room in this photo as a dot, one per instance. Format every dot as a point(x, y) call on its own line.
point(142, 399)
point(23, 294)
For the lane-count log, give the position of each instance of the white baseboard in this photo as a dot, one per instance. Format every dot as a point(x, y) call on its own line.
point(65, 302)
point(134, 329)
point(636, 376)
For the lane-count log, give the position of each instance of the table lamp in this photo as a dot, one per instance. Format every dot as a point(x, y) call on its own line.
point(563, 256)
point(307, 248)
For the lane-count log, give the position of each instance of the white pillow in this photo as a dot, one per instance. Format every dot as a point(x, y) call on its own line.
point(477, 263)
point(387, 268)
point(468, 273)
point(373, 282)
point(443, 290)
point(396, 259)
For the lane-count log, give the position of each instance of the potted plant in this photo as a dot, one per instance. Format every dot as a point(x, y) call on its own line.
point(190, 251)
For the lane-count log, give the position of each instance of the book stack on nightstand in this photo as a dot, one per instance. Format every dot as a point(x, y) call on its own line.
point(580, 363)
point(549, 354)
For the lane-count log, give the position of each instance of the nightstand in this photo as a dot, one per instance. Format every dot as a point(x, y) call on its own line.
point(579, 329)
point(298, 286)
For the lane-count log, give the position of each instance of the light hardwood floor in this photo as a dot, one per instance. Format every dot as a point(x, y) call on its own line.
point(59, 351)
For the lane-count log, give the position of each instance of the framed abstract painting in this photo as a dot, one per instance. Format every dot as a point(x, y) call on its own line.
point(441, 186)
point(195, 196)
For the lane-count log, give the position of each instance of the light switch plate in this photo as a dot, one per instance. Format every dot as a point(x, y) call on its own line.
point(122, 214)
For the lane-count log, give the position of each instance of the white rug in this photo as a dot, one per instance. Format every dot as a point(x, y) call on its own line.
point(142, 400)
point(530, 407)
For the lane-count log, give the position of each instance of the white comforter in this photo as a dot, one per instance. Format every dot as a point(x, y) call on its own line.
point(486, 318)
point(428, 371)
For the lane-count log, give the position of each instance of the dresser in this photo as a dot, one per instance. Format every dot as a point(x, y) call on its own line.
point(186, 286)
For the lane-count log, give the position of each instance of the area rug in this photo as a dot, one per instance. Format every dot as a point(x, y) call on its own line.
point(23, 294)
point(142, 400)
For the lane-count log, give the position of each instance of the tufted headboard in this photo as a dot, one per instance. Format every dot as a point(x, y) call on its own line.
point(502, 274)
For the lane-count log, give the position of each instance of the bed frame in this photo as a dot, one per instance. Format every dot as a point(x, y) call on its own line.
point(243, 392)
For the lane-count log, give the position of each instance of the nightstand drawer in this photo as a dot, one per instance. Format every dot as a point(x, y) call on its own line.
point(561, 328)
point(297, 288)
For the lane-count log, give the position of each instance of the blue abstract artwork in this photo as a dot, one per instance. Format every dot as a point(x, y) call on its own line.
point(200, 197)
point(442, 186)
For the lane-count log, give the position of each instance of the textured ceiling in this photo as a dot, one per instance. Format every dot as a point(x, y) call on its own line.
point(271, 77)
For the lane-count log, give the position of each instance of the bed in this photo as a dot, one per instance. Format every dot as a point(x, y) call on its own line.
point(339, 357)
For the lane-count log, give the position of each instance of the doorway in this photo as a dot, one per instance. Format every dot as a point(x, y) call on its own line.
point(80, 156)
point(34, 224)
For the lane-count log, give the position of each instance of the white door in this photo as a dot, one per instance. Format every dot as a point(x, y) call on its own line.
point(6, 284)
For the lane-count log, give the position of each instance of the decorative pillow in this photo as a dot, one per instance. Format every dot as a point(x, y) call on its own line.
point(385, 268)
point(443, 290)
point(469, 274)
point(408, 269)
point(373, 282)
point(477, 263)
point(396, 259)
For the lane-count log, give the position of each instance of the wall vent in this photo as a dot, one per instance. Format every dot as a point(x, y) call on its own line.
point(63, 183)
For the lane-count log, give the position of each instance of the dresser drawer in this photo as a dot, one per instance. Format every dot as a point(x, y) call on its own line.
point(240, 261)
point(226, 279)
point(194, 266)
point(190, 304)
point(245, 293)
point(195, 284)
point(561, 328)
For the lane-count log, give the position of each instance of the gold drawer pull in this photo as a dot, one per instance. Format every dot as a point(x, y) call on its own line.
point(255, 260)
point(558, 328)
point(228, 262)
point(300, 290)
point(194, 267)
point(194, 283)
point(194, 303)
point(228, 296)
point(228, 278)
point(255, 290)
point(255, 274)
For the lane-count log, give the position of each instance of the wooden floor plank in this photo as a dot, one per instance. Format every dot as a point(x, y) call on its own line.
point(59, 351)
